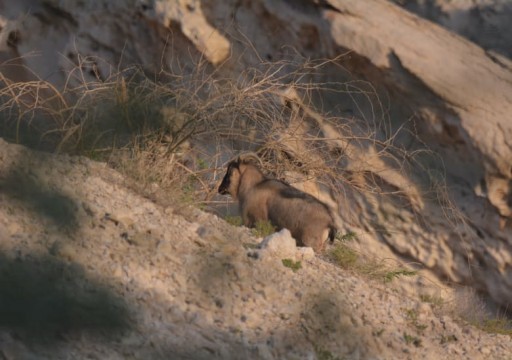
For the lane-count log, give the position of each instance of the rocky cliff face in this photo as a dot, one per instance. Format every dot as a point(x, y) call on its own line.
point(418, 84)
point(484, 22)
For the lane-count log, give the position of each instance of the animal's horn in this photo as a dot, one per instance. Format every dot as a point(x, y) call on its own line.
point(250, 157)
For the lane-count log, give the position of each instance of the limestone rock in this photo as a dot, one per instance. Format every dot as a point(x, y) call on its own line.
point(305, 253)
point(280, 245)
point(485, 22)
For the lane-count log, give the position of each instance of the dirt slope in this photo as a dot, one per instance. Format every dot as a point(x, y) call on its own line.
point(451, 95)
point(91, 269)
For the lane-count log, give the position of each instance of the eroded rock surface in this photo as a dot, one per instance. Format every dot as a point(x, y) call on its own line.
point(484, 22)
point(447, 92)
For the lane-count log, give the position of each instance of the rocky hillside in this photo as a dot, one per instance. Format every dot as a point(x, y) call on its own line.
point(400, 125)
point(91, 269)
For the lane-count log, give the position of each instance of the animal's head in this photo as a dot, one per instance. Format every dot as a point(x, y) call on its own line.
point(236, 168)
point(231, 181)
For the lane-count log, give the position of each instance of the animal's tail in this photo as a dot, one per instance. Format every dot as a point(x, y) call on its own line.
point(332, 233)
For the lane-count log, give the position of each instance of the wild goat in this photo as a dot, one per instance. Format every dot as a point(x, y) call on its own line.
point(262, 199)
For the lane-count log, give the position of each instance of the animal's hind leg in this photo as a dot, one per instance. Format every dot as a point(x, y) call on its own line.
point(248, 220)
point(252, 215)
point(316, 240)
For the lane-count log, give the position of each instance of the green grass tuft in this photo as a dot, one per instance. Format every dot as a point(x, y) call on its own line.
point(344, 256)
point(323, 354)
point(294, 265)
point(263, 228)
point(347, 258)
point(499, 325)
point(409, 339)
point(435, 301)
point(347, 237)
point(393, 274)
point(234, 220)
point(448, 339)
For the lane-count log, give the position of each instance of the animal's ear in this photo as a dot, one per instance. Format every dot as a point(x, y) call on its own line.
point(234, 164)
point(249, 158)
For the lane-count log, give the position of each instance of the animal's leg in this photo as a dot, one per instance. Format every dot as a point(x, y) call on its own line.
point(315, 239)
point(253, 213)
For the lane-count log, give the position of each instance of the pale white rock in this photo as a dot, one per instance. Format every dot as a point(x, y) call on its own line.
point(280, 245)
point(485, 22)
point(13, 228)
point(305, 253)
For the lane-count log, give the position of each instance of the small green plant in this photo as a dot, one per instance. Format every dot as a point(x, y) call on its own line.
point(346, 237)
point(499, 325)
point(433, 300)
point(412, 316)
point(188, 190)
point(263, 228)
point(343, 255)
point(448, 339)
point(250, 246)
point(294, 265)
point(409, 339)
point(202, 164)
point(234, 220)
point(96, 155)
point(378, 333)
point(471, 308)
point(393, 274)
point(420, 327)
point(322, 354)
point(348, 258)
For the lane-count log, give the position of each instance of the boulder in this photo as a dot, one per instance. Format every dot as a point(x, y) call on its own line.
point(280, 245)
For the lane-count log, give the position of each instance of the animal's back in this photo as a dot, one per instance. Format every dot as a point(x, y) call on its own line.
point(307, 218)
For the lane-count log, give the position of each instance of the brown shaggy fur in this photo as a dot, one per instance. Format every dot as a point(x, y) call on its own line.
point(261, 199)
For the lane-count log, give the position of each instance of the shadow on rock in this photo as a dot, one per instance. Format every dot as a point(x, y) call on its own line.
point(43, 299)
point(51, 204)
point(33, 181)
point(327, 321)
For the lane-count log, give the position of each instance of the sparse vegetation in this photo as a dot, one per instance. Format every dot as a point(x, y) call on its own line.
point(393, 274)
point(378, 332)
point(468, 306)
point(144, 126)
point(412, 316)
point(323, 354)
point(344, 256)
point(421, 327)
point(435, 301)
point(346, 237)
point(412, 340)
point(234, 220)
point(294, 265)
point(347, 258)
point(169, 127)
point(447, 339)
point(263, 228)
point(496, 325)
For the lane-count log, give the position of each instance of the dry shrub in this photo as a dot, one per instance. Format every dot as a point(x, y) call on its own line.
point(469, 306)
point(292, 113)
point(145, 127)
point(348, 257)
